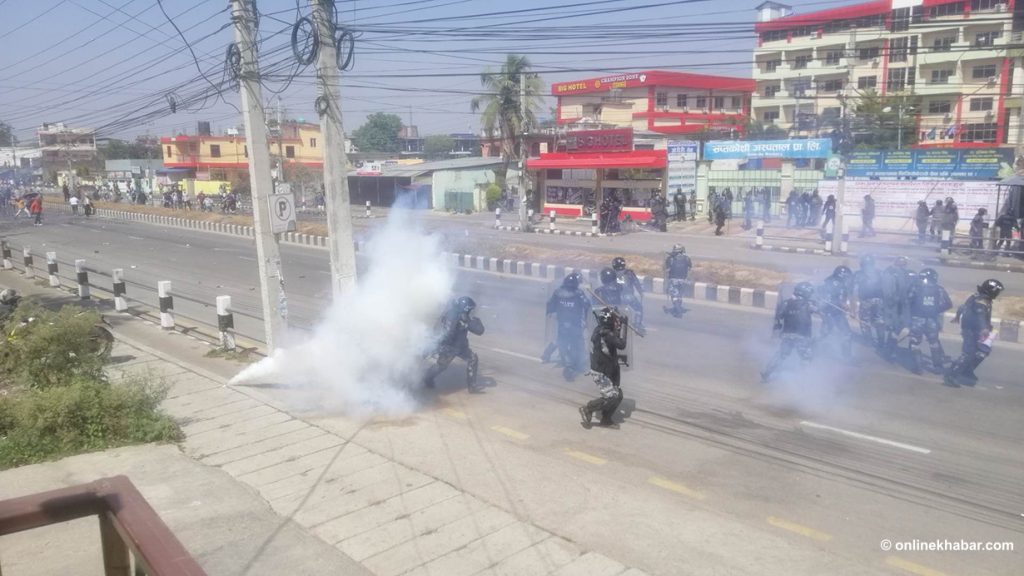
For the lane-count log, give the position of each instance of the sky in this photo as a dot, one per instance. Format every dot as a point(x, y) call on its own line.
point(119, 65)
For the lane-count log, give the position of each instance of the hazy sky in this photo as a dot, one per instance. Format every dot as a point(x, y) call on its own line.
point(110, 64)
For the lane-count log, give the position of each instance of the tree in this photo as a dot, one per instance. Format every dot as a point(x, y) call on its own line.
point(379, 133)
point(876, 121)
point(438, 146)
point(500, 105)
point(6, 134)
point(757, 130)
point(141, 148)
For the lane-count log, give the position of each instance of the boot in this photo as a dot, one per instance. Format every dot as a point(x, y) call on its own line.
point(585, 415)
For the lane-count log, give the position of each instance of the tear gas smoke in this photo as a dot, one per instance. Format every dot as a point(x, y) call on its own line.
point(367, 351)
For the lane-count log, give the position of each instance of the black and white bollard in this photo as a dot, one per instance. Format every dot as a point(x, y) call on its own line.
point(594, 223)
point(844, 245)
point(83, 279)
point(26, 255)
point(551, 220)
point(947, 242)
point(369, 210)
point(225, 323)
point(163, 290)
point(830, 236)
point(497, 217)
point(120, 302)
point(6, 249)
point(759, 240)
point(51, 268)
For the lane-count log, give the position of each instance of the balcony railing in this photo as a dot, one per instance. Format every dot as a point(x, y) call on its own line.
point(129, 527)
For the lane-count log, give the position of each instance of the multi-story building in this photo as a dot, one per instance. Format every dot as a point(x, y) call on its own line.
point(62, 148)
point(657, 101)
point(225, 157)
point(953, 57)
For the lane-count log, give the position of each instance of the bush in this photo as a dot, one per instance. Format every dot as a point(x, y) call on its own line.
point(82, 416)
point(43, 348)
point(493, 196)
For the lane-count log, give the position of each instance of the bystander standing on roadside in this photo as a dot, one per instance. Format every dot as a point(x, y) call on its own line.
point(35, 207)
point(87, 206)
point(67, 193)
point(829, 210)
point(20, 207)
point(74, 201)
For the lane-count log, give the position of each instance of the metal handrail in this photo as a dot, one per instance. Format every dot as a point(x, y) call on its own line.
point(129, 527)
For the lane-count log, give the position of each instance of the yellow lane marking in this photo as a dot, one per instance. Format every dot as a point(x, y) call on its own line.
point(456, 413)
point(588, 458)
point(799, 529)
point(510, 432)
point(675, 487)
point(912, 567)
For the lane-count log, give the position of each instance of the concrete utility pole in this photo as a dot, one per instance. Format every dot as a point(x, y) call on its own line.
point(523, 224)
point(280, 142)
point(838, 223)
point(339, 216)
point(268, 255)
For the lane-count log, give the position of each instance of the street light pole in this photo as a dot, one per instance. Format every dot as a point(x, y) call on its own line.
point(523, 224)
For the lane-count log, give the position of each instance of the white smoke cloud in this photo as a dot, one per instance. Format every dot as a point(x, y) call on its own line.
point(367, 351)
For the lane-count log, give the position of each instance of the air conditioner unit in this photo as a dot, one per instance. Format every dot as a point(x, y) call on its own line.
point(874, 61)
point(1000, 7)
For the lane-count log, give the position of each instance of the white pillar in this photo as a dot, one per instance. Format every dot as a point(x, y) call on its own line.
point(225, 322)
point(51, 268)
point(120, 302)
point(83, 279)
point(163, 289)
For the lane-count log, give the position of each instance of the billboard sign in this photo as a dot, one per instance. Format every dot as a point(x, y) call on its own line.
point(747, 149)
point(682, 167)
point(617, 140)
point(964, 164)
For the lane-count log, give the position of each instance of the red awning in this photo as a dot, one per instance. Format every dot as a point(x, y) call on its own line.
point(565, 160)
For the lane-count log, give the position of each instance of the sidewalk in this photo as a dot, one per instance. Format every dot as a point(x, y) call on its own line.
point(337, 502)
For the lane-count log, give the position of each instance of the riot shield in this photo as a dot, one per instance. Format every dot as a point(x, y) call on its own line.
point(627, 356)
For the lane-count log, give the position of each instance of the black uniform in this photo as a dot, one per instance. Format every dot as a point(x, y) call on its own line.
point(605, 342)
point(975, 317)
point(928, 302)
point(835, 296)
point(793, 320)
point(456, 324)
point(677, 268)
point(609, 294)
point(895, 286)
point(632, 295)
point(867, 284)
point(570, 308)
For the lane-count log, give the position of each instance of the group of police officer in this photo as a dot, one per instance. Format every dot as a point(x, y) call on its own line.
point(891, 306)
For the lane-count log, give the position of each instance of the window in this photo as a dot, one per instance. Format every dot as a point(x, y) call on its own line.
point(943, 44)
point(802, 31)
point(834, 85)
point(769, 91)
point(702, 102)
point(770, 116)
point(984, 132)
point(719, 102)
point(312, 142)
point(169, 154)
point(661, 99)
point(553, 174)
point(941, 76)
point(737, 102)
point(867, 82)
point(939, 107)
point(772, 65)
point(681, 101)
point(215, 150)
point(983, 72)
point(986, 4)
point(981, 104)
point(951, 9)
point(289, 151)
point(868, 53)
point(900, 20)
point(832, 57)
point(801, 62)
point(774, 36)
point(898, 49)
point(898, 78)
point(987, 38)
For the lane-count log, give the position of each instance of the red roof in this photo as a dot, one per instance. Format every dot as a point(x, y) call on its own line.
point(565, 160)
point(842, 13)
point(653, 78)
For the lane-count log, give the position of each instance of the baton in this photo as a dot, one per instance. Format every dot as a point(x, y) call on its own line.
point(598, 298)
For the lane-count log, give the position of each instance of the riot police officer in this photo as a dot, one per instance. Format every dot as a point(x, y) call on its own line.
point(632, 292)
point(895, 287)
point(677, 268)
point(975, 319)
point(609, 293)
point(608, 337)
point(793, 319)
point(570, 306)
point(867, 292)
point(835, 296)
point(455, 324)
point(928, 302)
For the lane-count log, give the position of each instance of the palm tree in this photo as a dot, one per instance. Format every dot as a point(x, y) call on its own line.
point(500, 103)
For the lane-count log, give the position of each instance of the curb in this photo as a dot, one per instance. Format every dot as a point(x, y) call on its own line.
point(816, 251)
point(958, 263)
point(556, 232)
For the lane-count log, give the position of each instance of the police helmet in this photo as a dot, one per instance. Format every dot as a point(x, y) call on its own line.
point(466, 304)
point(901, 262)
point(842, 272)
point(804, 290)
point(678, 249)
point(572, 281)
point(619, 263)
point(949, 200)
point(606, 316)
point(867, 261)
point(608, 276)
point(929, 275)
point(990, 288)
point(9, 296)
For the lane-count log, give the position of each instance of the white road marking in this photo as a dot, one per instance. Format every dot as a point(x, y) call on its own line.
point(136, 238)
point(860, 436)
point(247, 258)
point(516, 354)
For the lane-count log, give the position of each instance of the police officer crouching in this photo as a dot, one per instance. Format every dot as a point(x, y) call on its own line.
point(975, 319)
point(455, 325)
point(608, 338)
point(677, 269)
point(793, 318)
point(569, 305)
point(928, 302)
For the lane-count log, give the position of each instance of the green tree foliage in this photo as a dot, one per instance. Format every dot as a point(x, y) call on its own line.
point(6, 134)
point(379, 133)
point(757, 130)
point(500, 108)
point(139, 149)
point(438, 146)
point(875, 122)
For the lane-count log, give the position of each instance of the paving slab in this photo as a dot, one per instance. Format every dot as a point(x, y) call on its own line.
point(540, 559)
point(221, 457)
point(591, 564)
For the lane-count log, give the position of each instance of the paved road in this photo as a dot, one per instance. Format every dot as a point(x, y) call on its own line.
point(838, 458)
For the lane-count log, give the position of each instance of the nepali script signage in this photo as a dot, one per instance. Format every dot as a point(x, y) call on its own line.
point(969, 164)
point(747, 149)
point(682, 167)
point(618, 140)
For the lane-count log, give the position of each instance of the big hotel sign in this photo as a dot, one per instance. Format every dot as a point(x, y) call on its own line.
point(600, 84)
